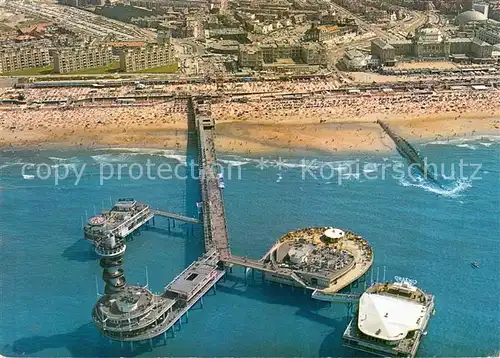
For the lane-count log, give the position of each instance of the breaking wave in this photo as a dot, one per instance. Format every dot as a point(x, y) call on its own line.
point(235, 163)
point(128, 154)
point(12, 164)
point(466, 145)
point(453, 190)
point(111, 158)
point(71, 160)
point(484, 140)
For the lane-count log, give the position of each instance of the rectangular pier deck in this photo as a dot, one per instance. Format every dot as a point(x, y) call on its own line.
point(189, 287)
point(184, 291)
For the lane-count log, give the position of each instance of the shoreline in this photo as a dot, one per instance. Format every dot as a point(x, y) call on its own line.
point(323, 126)
point(230, 144)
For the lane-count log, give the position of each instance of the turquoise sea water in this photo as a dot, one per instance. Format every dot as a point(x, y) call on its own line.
point(431, 234)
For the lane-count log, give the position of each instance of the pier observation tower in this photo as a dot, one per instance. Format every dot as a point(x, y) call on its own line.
point(133, 313)
point(125, 311)
point(111, 250)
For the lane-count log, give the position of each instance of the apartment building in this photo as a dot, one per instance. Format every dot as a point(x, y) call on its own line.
point(163, 37)
point(76, 59)
point(314, 54)
point(286, 48)
point(328, 32)
point(21, 58)
point(149, 56)
point(220, 5)
point(250, 56)
point(283, 53)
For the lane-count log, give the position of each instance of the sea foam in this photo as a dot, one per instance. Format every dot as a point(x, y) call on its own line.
point(453, 190)
point(128, 154)
point(466, 140)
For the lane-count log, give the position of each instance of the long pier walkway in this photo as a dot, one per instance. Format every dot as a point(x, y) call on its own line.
point(214, 216)
point(265, 267)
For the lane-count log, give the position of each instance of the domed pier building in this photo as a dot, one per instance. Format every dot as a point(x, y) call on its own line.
point(391, 319)
point(320, 258)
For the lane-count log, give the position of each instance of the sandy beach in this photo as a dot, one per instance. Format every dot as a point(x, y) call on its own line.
point(326, 124)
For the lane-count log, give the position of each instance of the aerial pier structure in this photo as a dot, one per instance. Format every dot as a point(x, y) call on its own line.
point(323, 260)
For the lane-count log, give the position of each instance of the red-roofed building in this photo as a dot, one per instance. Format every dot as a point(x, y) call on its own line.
point(35, 31)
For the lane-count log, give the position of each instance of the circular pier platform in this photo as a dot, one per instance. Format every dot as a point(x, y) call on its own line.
point(325, 258)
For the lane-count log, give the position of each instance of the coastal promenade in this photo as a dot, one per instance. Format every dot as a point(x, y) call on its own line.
point(74, 94)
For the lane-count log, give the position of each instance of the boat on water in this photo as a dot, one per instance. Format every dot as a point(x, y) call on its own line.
point(220, 177)
point(391, 320)
point(28, 176)
point(474, 264)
